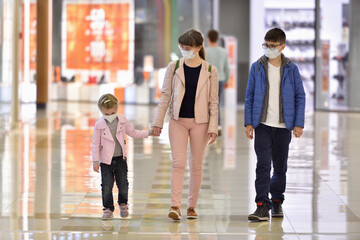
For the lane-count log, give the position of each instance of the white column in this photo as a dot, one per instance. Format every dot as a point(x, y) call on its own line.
point(196, 14)
point(15, 65)
point(215, 15)
point(354, 56)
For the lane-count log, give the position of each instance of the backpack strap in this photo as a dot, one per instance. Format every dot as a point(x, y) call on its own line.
point(210, 68)
point(177, 65)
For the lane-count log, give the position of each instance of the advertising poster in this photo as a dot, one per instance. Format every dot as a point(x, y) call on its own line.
point(97, 36)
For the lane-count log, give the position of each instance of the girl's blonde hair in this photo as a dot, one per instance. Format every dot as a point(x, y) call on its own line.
point(107, 101)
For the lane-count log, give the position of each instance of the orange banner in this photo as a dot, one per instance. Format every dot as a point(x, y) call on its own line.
point(32, 36)
point(98, 36)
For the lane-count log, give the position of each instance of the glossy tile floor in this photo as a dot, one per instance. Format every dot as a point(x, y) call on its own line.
point(49, 191)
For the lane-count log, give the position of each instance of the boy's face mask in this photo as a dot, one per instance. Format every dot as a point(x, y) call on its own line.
point(271, 50)
point(271, 53)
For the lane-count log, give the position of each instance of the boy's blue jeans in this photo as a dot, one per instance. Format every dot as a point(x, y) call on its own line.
point(116, 171)
point(271, 145)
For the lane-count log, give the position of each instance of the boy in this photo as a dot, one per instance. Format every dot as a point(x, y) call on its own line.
point(274, 105)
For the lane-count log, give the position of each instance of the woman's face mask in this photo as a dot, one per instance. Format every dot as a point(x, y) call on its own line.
point(187, 52)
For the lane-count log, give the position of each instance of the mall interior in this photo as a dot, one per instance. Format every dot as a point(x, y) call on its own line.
point(57, 57)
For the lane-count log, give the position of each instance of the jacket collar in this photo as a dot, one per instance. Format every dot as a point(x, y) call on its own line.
point(203, 76)
point(180, 71)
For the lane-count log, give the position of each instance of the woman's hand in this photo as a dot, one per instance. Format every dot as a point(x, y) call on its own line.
point(155, 131)
point(212, 138)
point(96, 167)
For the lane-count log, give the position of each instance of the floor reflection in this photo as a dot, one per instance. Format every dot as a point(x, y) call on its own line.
point(49, 190)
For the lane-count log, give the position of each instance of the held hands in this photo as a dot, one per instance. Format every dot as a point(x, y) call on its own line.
point(250, 132)
point(155, 131)
point(96, 167)
point(297, 132)
point(212, 138)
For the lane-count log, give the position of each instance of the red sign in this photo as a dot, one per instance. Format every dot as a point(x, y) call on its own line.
point(98, 36)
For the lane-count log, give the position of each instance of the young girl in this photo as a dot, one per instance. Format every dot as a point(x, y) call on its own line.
point(191, 89)
point(109, 153)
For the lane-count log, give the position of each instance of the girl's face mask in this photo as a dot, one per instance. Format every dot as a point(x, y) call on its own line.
point(110, 114)
point(111, 117)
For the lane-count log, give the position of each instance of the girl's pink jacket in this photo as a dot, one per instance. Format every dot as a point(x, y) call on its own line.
point(103, 145)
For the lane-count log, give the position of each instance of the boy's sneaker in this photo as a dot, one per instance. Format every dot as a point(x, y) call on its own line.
point(191, 214)
point(107, 214)
point(261, 213)
point(174, 213)
point(124, 210)
point(276, 210)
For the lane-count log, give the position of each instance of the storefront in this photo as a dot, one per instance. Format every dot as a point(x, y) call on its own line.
point(123, 46)
point(317, 42)
point(332, 56)
point(118, 46)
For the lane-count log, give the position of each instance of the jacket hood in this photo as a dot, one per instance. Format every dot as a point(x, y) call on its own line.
point(264, 60)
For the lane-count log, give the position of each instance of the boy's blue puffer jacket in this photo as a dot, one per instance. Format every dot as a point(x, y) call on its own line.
point(292, 95)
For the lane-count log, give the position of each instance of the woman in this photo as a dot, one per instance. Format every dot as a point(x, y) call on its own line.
point(191, 89)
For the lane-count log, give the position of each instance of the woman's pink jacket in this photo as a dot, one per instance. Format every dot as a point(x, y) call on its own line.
point(206, 99)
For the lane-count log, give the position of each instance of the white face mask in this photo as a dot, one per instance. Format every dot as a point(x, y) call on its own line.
point(272, 53)
point(110, 118)
point(188, 54)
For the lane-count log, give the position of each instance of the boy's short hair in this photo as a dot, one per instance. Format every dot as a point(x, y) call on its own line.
point(213, 35)
point(275, 35)
point(107, 101)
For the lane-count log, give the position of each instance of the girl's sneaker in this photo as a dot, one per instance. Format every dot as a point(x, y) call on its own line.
point(107, 214)
point(124, 210)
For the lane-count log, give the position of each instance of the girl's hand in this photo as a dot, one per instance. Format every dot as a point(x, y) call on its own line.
point(96, 167)
point(212, 138)
point(155, 131)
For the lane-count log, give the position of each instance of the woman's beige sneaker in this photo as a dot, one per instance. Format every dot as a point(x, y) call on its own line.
point(174, 213)
point(191, 214)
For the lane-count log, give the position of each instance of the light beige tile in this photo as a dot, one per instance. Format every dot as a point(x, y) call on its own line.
point(49, 191)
